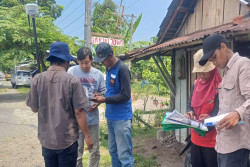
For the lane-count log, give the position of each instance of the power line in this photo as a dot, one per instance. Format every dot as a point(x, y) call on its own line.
point(133, 4)
point(76, 29)
point(73, 21)
point(71, 13)
point(70, 3)
point(79, 17)
point(79, 34)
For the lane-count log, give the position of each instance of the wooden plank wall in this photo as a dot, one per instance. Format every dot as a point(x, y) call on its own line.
point(231, 9)
point(211, 13)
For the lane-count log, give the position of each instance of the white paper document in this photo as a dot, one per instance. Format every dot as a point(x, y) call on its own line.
point(214, 120)
point(177, 118)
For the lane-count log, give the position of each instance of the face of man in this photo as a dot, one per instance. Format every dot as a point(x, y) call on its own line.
point(85, 64)
point(219, 57)
point(107, 62)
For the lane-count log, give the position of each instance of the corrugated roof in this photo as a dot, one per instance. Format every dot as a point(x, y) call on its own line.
point(177, 12)
point(198, 35)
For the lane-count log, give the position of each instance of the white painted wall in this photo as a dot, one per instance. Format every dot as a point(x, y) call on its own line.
point(181, 94)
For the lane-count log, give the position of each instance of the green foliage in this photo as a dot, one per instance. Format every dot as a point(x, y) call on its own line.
point(23, 90)
point(16, 36)
point(144, 92)
point(50, 6)
point(141, 161)
point(147, 70)
point(102, 23)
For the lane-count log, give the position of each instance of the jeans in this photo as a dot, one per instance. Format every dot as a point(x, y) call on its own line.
point(120, 143)
point(60, 158)
point(237, 158)
point(94, 153)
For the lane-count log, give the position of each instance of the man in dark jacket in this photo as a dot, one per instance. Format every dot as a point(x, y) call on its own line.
point(118, 106)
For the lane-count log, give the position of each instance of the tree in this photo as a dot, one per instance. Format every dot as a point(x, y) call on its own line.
point(50, 6)
point(147, 70)
point(102, 23)
point(16, 37)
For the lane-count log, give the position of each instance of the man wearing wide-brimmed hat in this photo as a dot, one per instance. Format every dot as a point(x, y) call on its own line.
point(59, 99)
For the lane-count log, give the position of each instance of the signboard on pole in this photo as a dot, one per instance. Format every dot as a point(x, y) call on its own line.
point(111, 41)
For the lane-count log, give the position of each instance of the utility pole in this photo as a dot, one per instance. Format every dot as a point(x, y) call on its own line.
point(131, 36)
point(131, 29)
point(131, 32)
point(87, 24)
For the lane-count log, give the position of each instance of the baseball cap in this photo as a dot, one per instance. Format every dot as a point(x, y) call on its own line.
point(59, 50)
point(103, 50)
point(210, 44)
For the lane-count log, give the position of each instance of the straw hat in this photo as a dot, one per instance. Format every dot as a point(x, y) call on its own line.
point(197, 67)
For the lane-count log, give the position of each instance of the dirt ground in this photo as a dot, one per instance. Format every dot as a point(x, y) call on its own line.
point(19, 146)
point(167, 152)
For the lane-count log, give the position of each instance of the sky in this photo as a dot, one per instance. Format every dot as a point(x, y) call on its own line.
point(153, 12)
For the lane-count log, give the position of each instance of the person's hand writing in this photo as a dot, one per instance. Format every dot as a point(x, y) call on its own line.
point(88, 142)
point(190, 115)
point(93, 107)
point(229, 121)
point(202, 117)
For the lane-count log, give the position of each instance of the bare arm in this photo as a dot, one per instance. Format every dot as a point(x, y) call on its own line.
point(82, 122)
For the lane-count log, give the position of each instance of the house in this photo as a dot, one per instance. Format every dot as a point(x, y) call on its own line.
point(181, 34)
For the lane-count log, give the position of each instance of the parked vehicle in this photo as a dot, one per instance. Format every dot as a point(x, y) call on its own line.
point(20, 78)
point(2, 74)
point(1, 77)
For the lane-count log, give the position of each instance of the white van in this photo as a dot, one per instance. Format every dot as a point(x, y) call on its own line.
point(20, 78)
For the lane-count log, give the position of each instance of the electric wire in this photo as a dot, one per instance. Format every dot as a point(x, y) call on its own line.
point(78, 17)
point(76, 29)
point(132, 4)
point(70, 3)
point(71, 13)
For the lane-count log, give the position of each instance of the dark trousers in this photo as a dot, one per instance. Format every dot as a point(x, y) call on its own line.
point(60, 158)
point(203, 156)
point(237, 158)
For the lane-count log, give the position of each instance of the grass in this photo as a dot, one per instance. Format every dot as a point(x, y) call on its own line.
point(3, 90)
point(105, 159)
point(139, 159)
point(23, 90)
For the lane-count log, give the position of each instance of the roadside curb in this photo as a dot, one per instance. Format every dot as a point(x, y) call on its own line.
point(16, 97)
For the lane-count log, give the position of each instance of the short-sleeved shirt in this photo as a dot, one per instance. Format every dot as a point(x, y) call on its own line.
point(234, 94)
point(92, 82)
point(56, 94)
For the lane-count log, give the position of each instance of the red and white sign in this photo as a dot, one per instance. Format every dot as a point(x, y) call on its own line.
point(112, 42)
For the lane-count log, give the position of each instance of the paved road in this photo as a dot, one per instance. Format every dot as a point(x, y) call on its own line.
point(18, 132)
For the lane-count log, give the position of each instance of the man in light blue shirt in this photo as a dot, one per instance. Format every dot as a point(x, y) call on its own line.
point(92, 81)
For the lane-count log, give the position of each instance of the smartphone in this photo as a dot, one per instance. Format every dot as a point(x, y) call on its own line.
point(92, 99)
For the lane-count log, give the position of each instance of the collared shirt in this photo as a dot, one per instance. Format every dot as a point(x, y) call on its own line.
point(56, 94)
point(234, 94)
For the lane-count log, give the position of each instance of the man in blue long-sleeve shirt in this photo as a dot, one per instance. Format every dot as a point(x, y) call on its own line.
point(118, 106)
